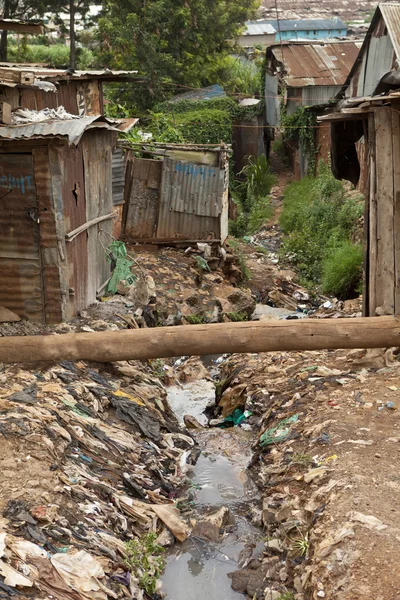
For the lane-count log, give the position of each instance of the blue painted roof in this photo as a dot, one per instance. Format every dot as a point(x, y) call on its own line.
point(208, 93)
point(308, 24)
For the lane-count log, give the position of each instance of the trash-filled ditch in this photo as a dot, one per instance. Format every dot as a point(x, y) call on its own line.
point(223, 537)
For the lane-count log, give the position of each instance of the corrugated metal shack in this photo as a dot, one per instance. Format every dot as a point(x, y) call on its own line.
point(299, 74)
point(55, 189)
point(365, 131)
point(179, 195)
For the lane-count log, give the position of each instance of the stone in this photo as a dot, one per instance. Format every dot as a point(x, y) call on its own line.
point(270, 594)
point(240, 580)
point(210, 527)
point(8, 316)
point(274, 545)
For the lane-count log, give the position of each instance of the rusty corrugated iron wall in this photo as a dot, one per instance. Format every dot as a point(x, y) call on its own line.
point(190, 200)
point(20, 264)
point(174, 198)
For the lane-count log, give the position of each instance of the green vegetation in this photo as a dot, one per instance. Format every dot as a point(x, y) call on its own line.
point(300, 128)
point(319, 219)
point(145, 560)
point(196, 319)
point(237, 316)
point(252, 197)
point(157, 366)
point(55, 55)
point(342, 270)
point(174, 44)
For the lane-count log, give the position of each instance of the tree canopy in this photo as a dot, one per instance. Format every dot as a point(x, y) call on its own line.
point(172, 43)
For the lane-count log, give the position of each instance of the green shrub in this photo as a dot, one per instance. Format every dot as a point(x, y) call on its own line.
point(196, 126)
point(318, 218)
point(252, 197)
point(145, 560)
point(342, 271)
point(55, 56)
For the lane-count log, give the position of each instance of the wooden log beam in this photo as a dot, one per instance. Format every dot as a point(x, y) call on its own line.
point(200, 340)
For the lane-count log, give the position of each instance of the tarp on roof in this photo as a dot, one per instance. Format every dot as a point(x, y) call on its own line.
point(316, 64)
point(208, 93)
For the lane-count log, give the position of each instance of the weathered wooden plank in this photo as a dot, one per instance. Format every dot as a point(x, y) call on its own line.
point(396, 196)
point(385, 274)
point(372, 240)
point(365, 169)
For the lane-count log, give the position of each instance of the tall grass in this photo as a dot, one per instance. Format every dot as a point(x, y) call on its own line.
point(319, 219)
point(252, 196)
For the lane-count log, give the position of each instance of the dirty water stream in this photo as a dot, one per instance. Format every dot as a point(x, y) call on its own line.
point(198, 569)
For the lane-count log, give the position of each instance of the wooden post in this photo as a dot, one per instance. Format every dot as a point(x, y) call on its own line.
point(200, 340)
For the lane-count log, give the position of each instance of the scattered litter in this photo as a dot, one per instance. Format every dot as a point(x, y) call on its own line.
point(279, 433)
point(368, 520)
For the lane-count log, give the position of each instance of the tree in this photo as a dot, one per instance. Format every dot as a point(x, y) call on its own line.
point(172, 43)
point(29, 9)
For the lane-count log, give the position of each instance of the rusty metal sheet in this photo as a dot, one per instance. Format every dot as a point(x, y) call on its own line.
point(118, 176)
point(49, 252)
point(191, 188)
point(73, 129)
point(318, 63)
point(391, 15)
point(20, 264)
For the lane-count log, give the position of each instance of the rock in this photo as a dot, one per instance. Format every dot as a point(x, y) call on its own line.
point(263, 312)
point(270, 594)
point(8, 316)
point(242, 302)
point(210, 527)
point(192, 370)
point(240, 580)
point(192, 422)
point(255, 584)
point(274, 545)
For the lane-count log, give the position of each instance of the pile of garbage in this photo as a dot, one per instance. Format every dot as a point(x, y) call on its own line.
point(327, 432)
point(91, 458)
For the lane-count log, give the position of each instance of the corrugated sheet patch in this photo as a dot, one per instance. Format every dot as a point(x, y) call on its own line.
point(317, 64)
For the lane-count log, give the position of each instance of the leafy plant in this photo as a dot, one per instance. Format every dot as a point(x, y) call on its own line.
point(301, 544)
point(319, 218)
point(196, 319)
point(145, 560)
point(299, 127)
point(342, 270)
point(237, 316)
point(158, 367)
point(258, 177)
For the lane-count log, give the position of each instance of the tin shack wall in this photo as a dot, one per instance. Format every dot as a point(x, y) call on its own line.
point(248, 140)
point(191, 200)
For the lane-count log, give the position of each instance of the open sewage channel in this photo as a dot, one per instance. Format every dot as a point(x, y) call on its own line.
point(198, 569)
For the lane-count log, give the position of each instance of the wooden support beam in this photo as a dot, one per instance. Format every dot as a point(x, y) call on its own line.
point(200, 340)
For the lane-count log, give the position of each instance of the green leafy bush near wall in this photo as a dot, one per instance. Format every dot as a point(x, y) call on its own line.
point(319, 219)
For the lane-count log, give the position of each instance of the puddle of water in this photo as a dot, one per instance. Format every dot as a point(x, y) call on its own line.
point(198, 569)
point(191, 399)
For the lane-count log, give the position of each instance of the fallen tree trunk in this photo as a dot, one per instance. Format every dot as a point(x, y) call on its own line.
point(199, 340)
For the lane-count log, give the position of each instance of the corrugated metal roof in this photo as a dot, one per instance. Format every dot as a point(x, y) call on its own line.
point(316, 64)
point(308, 25)
point(60, 74)
point(73, 129)
point(391, 13)
point(261, 27)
